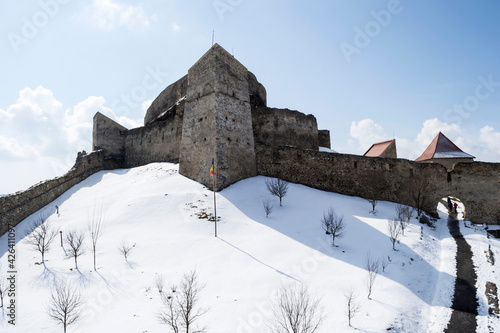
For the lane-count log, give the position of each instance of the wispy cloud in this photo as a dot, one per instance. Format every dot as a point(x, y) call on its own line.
point(107, 15)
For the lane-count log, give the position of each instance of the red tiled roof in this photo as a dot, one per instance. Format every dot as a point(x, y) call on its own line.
point(442, 147)
point(378, 149)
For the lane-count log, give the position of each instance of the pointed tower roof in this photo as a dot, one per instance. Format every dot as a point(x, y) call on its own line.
point(381, 149)
point(442, 147)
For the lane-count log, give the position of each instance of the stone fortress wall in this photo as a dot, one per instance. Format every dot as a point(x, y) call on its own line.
point(218, 111)
point(16, 207)
point(476, 184)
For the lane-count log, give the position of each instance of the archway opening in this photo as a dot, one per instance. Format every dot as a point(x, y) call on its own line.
point(452, 206)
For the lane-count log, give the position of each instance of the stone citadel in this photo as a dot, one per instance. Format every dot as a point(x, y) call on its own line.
point(219, 111)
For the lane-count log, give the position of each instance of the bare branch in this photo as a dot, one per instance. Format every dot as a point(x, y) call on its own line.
point(125, 249)
point(65, 305)
point(159, 282)
point(296, 311)
point(268, 207)
point(180, 306)
point(372, 268)
point(394, 229)
point(277, 187)
point(75, 241)
point(374, 203)
point(96, 229)
point(40, 235)
point(4, 286)
point(420, 190)
point(333, 225)
point(353, 305)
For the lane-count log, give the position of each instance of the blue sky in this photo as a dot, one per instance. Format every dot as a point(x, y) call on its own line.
point(369, 71)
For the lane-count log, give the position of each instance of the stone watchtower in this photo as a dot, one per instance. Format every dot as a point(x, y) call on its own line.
point(217, 121)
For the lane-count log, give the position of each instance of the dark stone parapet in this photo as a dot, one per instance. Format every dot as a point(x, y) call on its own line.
point(274, 127)
point(167, 99)
point(16, 207)
point(476, 184)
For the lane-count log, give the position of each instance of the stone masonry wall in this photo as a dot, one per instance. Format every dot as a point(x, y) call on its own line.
point(217, 121)
point(476, 184)
point(158, 141)
point(166, 99)
point(274, 127)
point(16, 207)
point(107, 135)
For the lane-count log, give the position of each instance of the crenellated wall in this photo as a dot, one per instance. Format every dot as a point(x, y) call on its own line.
point(476, 184)
point(16, 207)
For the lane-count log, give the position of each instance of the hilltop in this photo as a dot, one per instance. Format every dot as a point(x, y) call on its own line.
point(163, 215)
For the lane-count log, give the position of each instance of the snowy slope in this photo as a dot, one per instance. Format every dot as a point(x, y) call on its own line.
point(156, 209)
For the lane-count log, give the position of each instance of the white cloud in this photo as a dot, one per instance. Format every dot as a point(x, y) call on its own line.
point(37, 128)
point(432, 127)
point(491, 138)
point(29, 124)
point(106, 15)
point(367, 132)
point(486, 148)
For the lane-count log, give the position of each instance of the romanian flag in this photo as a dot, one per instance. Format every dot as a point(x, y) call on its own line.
point(212, 168)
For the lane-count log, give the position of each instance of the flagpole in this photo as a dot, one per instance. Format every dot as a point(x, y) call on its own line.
point(215, 206)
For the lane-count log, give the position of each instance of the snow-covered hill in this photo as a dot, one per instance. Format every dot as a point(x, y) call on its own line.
point(162, 214)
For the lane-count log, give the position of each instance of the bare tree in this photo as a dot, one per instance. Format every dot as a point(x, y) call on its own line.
point(4, 286)
point(75, 241)
point(65, 305)
point(394, 229)
point(333, 224)
point(402, 217)
point(95, 228)
point(277, 187)
point(268, 207)
point(181, 305)
point(125, 249)
point(372, 269)
point(374, 203)
point(420, 191)
point(353, 305)
point(40, 235)
point(296, 311)
point(159, 282)
point(408, 213)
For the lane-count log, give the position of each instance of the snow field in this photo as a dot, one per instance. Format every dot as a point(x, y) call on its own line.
point(486, 270)
point(156, 210)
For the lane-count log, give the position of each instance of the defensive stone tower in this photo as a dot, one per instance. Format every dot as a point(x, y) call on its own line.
point(217, 121)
